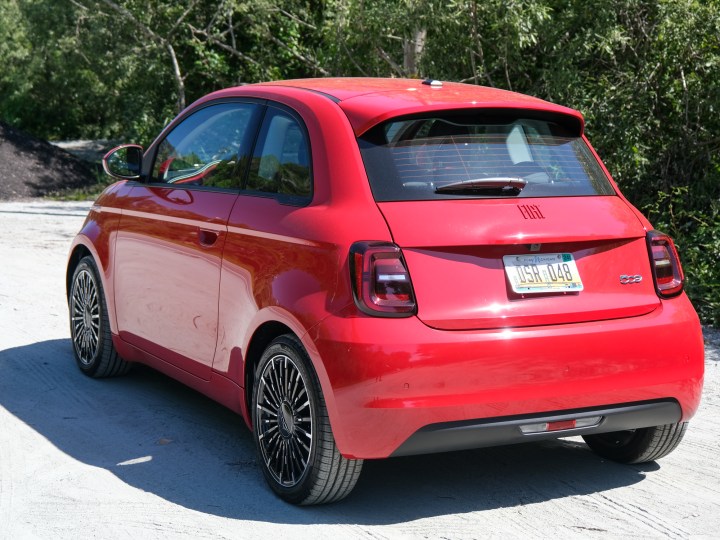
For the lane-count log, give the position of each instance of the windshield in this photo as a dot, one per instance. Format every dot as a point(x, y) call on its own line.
point(456, 156)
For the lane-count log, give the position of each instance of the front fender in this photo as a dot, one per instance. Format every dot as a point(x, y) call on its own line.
point(97, 239)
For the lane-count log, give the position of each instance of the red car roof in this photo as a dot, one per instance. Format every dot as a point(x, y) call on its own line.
point(368, 101)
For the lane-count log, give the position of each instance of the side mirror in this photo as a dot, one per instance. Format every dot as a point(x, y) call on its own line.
point(124, 162)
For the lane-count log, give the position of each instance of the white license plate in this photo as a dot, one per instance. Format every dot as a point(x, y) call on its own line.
point(542, 273)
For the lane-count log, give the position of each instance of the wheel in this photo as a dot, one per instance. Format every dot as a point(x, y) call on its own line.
point(89, 326)
point(637, 445)
point(295, 445)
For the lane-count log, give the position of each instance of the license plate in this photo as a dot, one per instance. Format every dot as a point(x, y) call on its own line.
point(542, 273)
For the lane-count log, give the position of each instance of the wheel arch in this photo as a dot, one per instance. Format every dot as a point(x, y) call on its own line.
point(261, 338)
point(78, 252)
point(83, 246)
point(76, 255)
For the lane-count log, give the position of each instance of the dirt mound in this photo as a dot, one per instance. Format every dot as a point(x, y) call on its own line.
point(31, 167)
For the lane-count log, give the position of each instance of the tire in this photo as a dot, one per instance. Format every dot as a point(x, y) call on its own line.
point(89, 325)
point(295, 444)
point(638, 445)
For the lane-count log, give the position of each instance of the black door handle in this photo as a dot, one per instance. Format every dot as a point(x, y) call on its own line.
point(207, 238)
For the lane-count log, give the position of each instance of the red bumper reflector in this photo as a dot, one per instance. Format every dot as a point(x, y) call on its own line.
point(565, 424)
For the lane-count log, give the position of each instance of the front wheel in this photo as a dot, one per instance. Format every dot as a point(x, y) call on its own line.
point(637, 445)
point(295, 444)
point(89, 324)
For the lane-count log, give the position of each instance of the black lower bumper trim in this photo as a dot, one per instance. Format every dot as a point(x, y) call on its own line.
point(469, 434)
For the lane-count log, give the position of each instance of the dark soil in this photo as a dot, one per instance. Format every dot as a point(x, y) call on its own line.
point(31, 167)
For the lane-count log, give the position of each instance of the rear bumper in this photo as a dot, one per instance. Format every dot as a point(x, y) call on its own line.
point(491, 432)
point(396, 386)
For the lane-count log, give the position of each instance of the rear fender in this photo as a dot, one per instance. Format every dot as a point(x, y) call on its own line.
point(243, 359)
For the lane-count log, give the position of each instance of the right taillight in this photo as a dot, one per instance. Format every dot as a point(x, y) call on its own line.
point(665, 263)
point(380, 279)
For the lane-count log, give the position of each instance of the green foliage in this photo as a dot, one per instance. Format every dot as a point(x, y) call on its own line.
point(697, 237)
point(645, 73)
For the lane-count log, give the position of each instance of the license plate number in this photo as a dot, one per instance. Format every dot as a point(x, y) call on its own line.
point(542, 273)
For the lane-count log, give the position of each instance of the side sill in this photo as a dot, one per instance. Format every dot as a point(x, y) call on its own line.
point(468, 434)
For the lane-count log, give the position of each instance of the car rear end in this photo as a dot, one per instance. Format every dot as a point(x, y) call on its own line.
point(519, 296)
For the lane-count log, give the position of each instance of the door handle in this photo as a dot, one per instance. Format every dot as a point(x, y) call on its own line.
point(207, 238)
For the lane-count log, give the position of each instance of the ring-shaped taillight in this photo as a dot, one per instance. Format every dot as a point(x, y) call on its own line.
point(380, 280)
point(665, 263)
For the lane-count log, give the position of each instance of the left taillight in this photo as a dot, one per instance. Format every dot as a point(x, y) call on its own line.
point(380, 280)
point(667, 271)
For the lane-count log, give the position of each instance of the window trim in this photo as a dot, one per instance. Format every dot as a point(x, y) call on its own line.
point(263, 105)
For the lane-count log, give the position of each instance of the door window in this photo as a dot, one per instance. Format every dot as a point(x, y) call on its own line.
point(208, 148)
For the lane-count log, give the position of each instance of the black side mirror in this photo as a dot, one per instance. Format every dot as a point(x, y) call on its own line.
point(124, 162)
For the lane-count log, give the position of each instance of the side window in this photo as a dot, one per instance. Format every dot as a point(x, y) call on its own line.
point(281, 163)
point(208, 147)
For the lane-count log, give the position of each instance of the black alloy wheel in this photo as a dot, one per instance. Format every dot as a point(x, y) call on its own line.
point(296, 448)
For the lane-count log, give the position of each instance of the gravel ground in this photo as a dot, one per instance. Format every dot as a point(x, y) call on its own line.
point(145, 457)
point(712, 345)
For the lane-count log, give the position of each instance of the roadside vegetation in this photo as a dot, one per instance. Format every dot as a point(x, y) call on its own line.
point(646, 75)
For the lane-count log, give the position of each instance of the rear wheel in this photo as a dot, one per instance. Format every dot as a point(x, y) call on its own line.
point(295, 444)
point(637, 445)
point(89, 325)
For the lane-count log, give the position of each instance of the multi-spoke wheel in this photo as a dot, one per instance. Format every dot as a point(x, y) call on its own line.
point(89, 326)
point(292, 432)
point(637, 445)
point(85, 317)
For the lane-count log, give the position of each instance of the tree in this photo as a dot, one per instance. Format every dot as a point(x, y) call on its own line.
point(645, 73)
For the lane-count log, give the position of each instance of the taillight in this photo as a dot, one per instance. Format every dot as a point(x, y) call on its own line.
point(380, 279)
point(667, 271)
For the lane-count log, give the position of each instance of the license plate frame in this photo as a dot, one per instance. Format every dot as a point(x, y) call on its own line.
point(542, 273)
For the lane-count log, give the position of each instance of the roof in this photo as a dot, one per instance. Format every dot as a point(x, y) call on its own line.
point(369, 101)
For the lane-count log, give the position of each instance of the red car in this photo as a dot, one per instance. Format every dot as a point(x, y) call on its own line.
point(366, 268)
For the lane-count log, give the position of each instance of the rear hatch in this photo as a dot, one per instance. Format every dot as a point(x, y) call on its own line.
point(506, 219)
point(460, 256)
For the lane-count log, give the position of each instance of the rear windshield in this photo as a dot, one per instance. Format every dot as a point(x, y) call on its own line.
point(450, 157)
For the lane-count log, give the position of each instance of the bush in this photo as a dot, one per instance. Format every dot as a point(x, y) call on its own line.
point(697, 236)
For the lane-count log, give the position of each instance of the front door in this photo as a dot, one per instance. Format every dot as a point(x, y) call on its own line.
point(172, 233)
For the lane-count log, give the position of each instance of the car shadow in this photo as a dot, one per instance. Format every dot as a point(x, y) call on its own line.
point(157, 435)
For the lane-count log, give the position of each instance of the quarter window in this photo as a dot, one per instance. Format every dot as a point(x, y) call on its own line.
point(281, 162)
point(208, 147)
